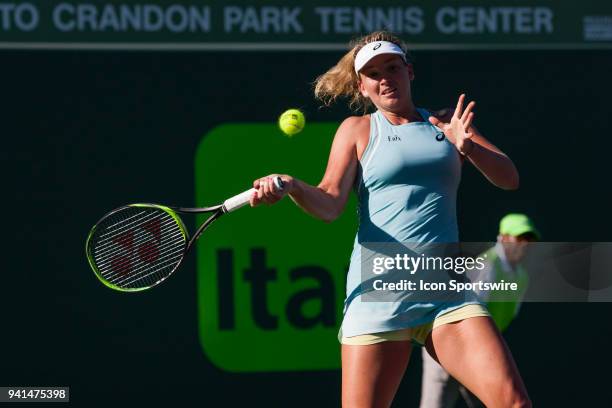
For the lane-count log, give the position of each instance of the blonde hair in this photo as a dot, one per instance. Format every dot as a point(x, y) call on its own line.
point(341, 80)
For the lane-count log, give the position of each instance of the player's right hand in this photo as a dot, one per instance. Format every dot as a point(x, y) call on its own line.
point(267, 192)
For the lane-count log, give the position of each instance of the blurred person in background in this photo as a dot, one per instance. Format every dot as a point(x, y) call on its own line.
point(503, 262)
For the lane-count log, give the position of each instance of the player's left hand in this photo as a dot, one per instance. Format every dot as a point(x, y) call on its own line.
point(456, 127)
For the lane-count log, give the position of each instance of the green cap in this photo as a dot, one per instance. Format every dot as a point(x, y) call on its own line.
point(517, 224)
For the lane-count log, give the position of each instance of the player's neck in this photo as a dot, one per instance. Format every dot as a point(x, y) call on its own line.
point(406, 115)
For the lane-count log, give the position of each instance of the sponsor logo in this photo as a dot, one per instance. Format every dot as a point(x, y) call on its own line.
point(271, 279)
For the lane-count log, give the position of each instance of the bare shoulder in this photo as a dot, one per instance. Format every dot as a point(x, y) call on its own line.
point(355, 130)
point(355, 124)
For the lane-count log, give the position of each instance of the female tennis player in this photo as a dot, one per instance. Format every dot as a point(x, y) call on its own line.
point(406, 178)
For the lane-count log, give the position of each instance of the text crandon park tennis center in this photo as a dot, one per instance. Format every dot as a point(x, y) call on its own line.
point(204, 25)
point(129, 17)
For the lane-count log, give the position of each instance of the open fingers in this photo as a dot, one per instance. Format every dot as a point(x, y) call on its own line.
point(468, 122)
point(459, 107)
point(467, 111)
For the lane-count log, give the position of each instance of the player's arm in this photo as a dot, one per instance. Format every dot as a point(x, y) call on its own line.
point(327, 200)
point(492, 162)
point(487, 158)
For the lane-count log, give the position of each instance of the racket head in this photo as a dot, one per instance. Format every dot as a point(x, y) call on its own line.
point(136, 247)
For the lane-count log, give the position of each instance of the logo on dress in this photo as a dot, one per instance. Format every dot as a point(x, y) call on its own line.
point(440, 136)
point(394, 138)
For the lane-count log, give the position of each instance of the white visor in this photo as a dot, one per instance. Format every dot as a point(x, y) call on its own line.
point(369, 51)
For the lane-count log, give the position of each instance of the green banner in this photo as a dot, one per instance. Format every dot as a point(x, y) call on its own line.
point(271, 280)
point(259, 24)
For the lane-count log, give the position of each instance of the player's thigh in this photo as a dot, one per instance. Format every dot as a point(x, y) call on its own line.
point(372, 373)
point(438, 388)
point(473, 351)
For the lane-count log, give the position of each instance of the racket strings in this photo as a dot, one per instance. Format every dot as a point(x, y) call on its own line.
point(124, 236)
point(125, 269)
point(114, 230)
point(146, 254)
point(148, 274)
point(136, 247)
point(122, 240)
point(123, 222)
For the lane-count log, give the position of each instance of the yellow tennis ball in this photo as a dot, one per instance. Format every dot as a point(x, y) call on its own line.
point(291, 122)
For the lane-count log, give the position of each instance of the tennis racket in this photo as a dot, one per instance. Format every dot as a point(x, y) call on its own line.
point(138, 246)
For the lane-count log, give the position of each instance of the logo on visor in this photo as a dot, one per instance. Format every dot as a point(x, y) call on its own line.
point(377, 46)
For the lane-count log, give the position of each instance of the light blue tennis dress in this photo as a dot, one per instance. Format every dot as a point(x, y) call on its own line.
point(407, 191)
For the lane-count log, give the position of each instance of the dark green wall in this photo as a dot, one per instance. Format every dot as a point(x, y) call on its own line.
point(84, 132)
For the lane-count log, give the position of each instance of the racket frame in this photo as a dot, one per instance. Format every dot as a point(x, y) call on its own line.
point(173, 212)
point(229, 205)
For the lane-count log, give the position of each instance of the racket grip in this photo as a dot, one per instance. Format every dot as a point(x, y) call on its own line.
point(242, 199)
point(238, 201)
